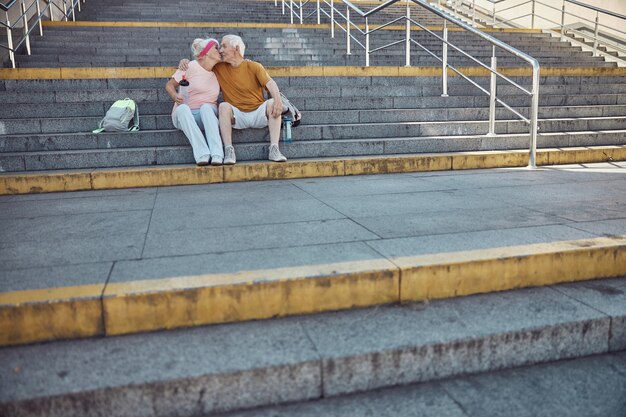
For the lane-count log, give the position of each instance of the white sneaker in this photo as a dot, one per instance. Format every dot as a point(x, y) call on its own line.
point(203, 161)
point(229, 155)
point(275, 155)
point(216, 160)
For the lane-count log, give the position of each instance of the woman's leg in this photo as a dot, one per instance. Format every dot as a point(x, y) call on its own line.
point(184, 120)
point(208, 114)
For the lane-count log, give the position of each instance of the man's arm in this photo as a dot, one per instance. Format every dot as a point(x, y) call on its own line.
point(183, 65)
point(272, 87)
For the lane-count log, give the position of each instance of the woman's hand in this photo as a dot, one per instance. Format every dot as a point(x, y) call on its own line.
point(178, 99)
point(183, 65)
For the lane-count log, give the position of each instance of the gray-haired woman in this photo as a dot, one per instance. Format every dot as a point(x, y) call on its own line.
point(199, 111)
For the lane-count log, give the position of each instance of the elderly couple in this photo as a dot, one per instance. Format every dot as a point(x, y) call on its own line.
point(242, 82)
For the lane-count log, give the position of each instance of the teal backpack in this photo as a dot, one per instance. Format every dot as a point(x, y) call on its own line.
point(123, 116)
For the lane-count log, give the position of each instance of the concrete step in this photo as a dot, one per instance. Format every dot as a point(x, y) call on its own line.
point(588, 386)
point(239, 366)
point(91, 92)
point(422, 81)
point(84, 119)
point(139, 150)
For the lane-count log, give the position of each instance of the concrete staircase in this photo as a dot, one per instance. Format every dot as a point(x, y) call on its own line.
point(342, 363)
point(320, 363)
point(48, 124)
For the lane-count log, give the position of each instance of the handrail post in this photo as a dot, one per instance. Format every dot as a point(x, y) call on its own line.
point(65, 13)
point(10, 40)
point(291, 11)
point(332, 18)
point(367, 42)
point(563, 21)
point(534, 111)
point(532, 15)
point(348, 31)
point(407, 46)
point(300, 11)
point(494, 15)
point(283, 4)
point(444, 78)
point(50, 11)
point(26, 35)
point(78, 4)
point(318, 12)
point(73, 10)
point(492, 94)
point(39, 19)
point(595, 35)
point(473, 11)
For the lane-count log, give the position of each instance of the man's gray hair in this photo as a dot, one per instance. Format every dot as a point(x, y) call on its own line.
point(199, 44)
point(235, 41)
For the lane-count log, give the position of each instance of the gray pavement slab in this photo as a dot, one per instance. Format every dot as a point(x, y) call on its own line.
point(243, 260)
point(47, 253)
point(419, 342)
point(260, 236)
point(605, 227)
point(407, 203)
point(86, 204)
point(82, 225)
point(367, 185)
point(484, 239)
point(55, 276)
point(452, 221)
point(241, 213)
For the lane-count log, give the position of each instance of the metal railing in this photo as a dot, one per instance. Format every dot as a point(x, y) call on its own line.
point(347, 25)
point(538, 10)
point(30, 16)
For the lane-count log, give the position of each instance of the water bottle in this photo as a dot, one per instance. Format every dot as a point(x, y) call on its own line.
point(287, 121)
point(183, 89)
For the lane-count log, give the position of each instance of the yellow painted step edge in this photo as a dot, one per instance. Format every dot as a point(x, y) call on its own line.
point(146, 305)
point(263, 25)
point(103, 179)
point(298, 71)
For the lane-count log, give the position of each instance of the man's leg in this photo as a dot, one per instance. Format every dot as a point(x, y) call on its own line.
point(226, 123)
point(273, 122)
point(274, 125)
point(226, 128)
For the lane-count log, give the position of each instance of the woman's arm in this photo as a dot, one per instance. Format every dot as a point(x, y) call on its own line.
point(171, 87)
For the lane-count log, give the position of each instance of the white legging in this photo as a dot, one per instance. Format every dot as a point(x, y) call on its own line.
point(192, 122)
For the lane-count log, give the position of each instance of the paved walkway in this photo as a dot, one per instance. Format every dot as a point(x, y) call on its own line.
point(94, 237)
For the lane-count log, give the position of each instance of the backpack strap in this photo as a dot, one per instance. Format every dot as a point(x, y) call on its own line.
point(135, 126)
point(100, 129)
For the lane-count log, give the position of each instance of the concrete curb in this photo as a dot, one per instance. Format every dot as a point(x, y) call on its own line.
point(138, 306)
point(101, 179)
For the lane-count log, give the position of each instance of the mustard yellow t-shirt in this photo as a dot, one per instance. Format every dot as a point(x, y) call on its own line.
point(242, 86)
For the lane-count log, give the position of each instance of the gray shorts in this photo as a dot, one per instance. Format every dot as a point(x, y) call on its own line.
point(254, 119)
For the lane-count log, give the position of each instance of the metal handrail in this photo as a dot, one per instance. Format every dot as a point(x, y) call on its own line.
point(27, 15)
point(408, 41)
point(598, 40)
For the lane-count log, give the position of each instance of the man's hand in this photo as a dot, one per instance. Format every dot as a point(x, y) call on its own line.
point(277, 109)
point(183, 65)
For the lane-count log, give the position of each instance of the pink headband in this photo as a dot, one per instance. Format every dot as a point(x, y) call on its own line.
point(207, 48)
